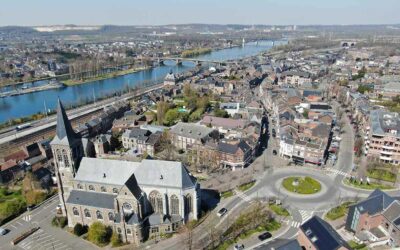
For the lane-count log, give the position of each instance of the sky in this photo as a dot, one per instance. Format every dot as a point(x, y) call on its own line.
point(159, 12)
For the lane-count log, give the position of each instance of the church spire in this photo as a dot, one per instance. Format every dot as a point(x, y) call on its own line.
point(64, 132)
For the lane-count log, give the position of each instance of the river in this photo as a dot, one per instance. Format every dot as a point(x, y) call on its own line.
point(24, 105)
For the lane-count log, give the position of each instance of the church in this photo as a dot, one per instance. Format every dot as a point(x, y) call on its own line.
point(138, 200)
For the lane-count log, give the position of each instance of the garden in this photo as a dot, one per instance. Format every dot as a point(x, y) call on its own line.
point(301, 185)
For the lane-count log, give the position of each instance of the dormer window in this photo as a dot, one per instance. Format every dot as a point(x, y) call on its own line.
point(161, 177)
point(91, 187)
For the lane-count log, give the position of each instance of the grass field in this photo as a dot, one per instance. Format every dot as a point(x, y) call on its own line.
point(382, 174)
point(372, 185)
point(306, 185)
point(339, 211)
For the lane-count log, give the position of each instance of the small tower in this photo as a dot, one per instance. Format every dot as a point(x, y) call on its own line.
point(67, 151)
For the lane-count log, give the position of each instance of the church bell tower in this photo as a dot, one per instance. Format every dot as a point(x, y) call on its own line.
point(67, 151)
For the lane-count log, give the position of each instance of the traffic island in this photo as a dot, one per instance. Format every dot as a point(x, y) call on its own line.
point(301, 185)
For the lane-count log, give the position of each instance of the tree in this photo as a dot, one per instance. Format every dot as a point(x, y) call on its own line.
point(358, 145)
point(170, 117)
point(32, 190)
point(162, 108)
point(221, 113)
point(98, 233)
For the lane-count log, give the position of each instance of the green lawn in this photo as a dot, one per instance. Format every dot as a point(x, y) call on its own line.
point(227, 194)
point(279, 210)
point(382, 174)
point(246, 186)
point(11, 203)
point(355, 245)
point(339, 211)
point(306, 185)
point(372, 185)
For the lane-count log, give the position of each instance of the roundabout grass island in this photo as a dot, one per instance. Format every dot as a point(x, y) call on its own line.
point(301, 185)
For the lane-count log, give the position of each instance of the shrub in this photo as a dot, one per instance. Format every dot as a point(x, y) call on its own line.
point(59, 221)
point(98, 234)
point(79, 229)
point(116, 239)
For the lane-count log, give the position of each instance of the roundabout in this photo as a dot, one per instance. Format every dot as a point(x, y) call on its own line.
point(301, 185)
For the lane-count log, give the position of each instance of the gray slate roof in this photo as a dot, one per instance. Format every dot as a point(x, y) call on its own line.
point(91, 199)
point(147, 173)
point(64, 132)
point(191, 130)
point(116, 172)
point(164, 173)
point(322, 235)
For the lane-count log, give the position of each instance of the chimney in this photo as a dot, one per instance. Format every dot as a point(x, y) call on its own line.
point(104, 175)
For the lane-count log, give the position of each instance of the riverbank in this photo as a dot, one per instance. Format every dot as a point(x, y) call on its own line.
point(23, 91)
point(71, 82)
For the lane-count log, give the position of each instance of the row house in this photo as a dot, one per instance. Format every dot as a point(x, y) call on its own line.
point(141, 140)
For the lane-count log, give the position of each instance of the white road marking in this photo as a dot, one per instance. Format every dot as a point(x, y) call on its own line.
point(305, 215)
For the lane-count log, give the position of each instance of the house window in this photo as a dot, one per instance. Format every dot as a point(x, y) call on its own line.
point(87, 213)
point(111, 216)
point(115, 190)
point(174, 205)
point(119, 230)
point(75, 211)
point(91, 187)
point(128, 231)
point(103, 189)
point(99, 215)
point(154, 230)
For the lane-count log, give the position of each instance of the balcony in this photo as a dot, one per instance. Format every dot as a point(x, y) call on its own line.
point(385, 158)
point(386, 153)
point(387, 147)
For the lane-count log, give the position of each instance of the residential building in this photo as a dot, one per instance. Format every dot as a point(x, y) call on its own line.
point(383, 136)
point(376, 219)
point(141, 140)
point(317, 234)
point(190, 135)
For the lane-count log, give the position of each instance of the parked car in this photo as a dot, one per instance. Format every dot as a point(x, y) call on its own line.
point(3, 231)
point(222, 211)
point(265, 236)
point(238, 247)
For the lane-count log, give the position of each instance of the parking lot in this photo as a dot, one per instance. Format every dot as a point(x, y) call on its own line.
point(42, 240)
point(47, 237)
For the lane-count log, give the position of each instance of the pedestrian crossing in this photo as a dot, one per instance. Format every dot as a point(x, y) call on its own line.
point(305, 215)
point(294, 224)
point(337, 172)
point(243, 196)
